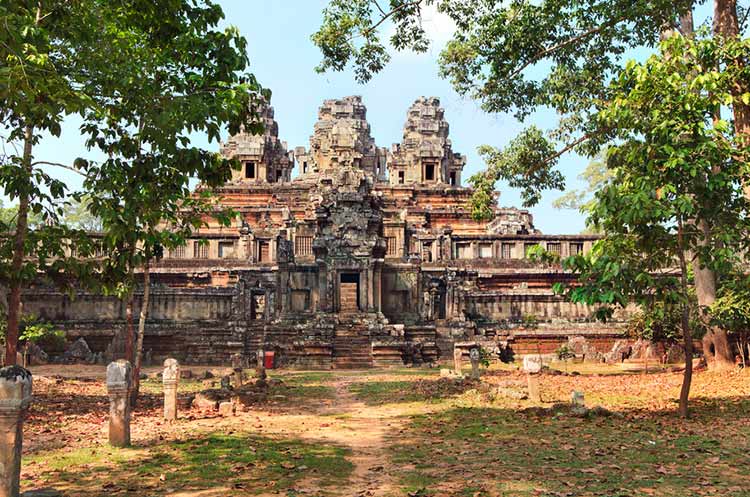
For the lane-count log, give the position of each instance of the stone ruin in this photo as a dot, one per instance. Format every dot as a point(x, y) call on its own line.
point(264, 157)
point(425, 155)
point(365, 257)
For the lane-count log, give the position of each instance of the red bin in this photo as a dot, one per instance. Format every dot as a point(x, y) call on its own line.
point(268, 359)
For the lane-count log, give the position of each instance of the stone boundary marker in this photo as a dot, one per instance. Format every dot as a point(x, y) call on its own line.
point(170, 379)
point(15, 397)
point(532, 366)
point(119, 381)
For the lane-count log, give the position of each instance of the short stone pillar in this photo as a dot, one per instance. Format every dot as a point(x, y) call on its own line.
point(170, 379)
point(457, 352)
point(15, 397)
point(577, 399)
point(532, 365)
point(237, 378)
point(474, 355)
point(119, 381)
point(237, 361)
point(260, 368)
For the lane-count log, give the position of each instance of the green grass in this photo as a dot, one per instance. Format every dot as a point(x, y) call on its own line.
point(242, 461)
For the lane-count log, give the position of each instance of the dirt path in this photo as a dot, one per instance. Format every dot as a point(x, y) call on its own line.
point(363, 429)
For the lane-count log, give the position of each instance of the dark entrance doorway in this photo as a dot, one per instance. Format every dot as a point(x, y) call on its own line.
point(349, 292)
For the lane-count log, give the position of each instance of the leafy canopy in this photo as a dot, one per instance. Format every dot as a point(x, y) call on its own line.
point(676, 169)
point(514, 57)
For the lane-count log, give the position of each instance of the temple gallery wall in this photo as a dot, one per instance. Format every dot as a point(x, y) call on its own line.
point(368, 256)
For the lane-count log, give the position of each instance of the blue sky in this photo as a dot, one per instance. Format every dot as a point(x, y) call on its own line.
point(283, 59)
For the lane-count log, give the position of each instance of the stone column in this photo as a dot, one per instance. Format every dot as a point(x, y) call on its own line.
point(237, 379)
point(170, 378)
point(261, 366)
point(119, 380)
point(474, 355)
point(15, 397)
point(532, 365)
point(457, 360)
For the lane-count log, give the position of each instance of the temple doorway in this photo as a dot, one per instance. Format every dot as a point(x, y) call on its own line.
point(349, 292)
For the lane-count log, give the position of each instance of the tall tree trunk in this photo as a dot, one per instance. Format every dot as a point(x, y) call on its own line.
point(715, 342)
point(687, 337)
point(19, 246)
point(141, 332)
point(727, 26)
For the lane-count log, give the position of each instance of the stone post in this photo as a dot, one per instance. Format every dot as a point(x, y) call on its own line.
point(532, 365)
point(170, 378)
point(474, 356)
point(457, 360)
point(261, 366)
point(119, 381)
point(237, 371)
point(15, 397)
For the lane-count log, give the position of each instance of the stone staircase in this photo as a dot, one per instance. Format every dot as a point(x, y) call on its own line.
point(352, 348)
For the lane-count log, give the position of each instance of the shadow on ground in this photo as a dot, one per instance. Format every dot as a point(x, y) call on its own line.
point(498, 451)
point(239, 464)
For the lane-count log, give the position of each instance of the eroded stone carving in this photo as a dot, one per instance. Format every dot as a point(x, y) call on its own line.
point(119, 381)
point(264, 157)
point(15, 397)
point(425, 154)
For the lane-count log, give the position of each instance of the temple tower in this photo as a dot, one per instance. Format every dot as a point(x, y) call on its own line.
point(341, 137)
point(425, 155)
point(264, 157)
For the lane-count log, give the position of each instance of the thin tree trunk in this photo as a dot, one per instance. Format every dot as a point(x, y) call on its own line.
point(687, 337)
point(19, 247)
point(141, 332)
point(129, 330)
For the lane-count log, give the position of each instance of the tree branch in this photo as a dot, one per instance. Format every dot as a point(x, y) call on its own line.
point(540, 55)
point(389, 14)
point(57, 164)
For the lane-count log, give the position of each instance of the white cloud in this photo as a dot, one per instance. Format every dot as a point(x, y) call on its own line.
point(438, 27)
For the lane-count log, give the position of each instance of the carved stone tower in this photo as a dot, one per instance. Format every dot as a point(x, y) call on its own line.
point(264, 157)
point(425, 155)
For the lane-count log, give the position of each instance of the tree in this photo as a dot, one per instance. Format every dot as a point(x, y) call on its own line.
point(676, 169)
point(40, 46)
point(522, 55)
point(183, 74)
point(76, 214)
point(596, 175)
point(731, 311)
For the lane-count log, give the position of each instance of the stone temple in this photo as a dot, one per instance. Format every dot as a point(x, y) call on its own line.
point(368, 256)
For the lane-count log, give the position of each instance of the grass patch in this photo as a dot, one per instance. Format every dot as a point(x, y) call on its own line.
point(249, 464)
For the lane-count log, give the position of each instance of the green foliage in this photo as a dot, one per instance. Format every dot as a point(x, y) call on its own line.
point(485, 357)
point(183, 74)
point(34, 330)
point(530, 321)
point(596, 176)
point(537, 253)
point(564, 352)
point(731, 311)
point(77, 214)
point(661, 323)
point(523, 165)
point(676, 187)
point(512, 57)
